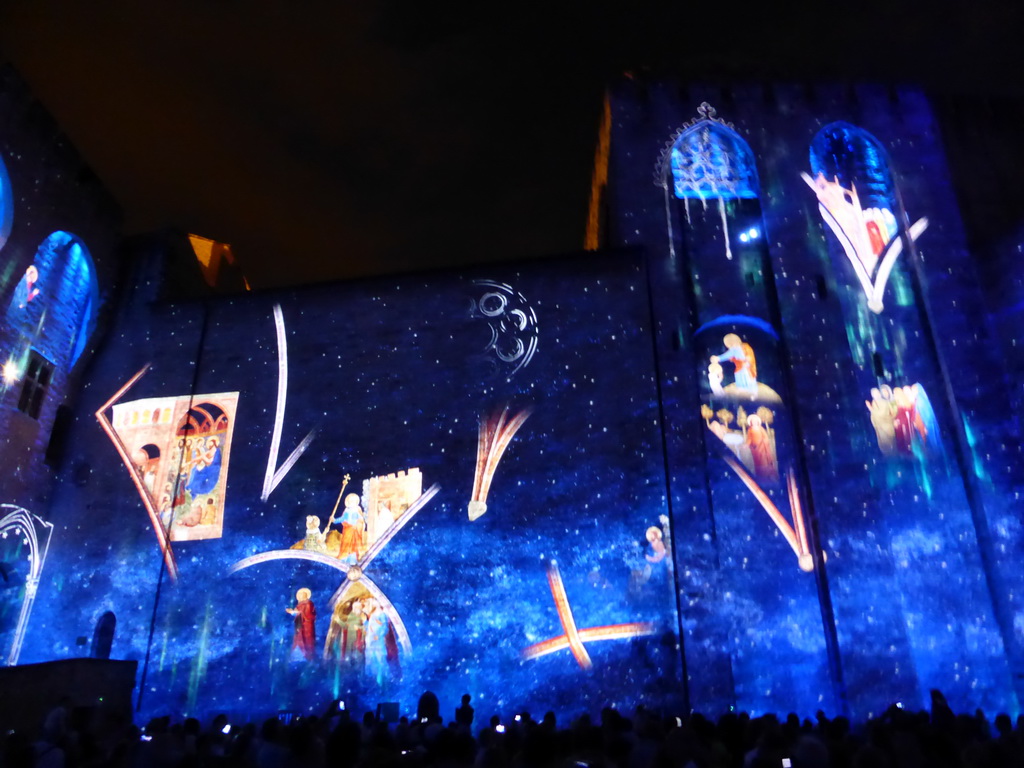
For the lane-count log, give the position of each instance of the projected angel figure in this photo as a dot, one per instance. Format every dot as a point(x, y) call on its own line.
point(304, 612)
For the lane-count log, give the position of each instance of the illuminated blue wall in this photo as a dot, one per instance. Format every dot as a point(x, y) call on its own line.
point(918, 579)
point(58, 232)
point(393, 375)
point(833, 527)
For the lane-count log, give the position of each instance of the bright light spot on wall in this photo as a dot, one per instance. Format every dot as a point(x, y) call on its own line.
point(11, 373)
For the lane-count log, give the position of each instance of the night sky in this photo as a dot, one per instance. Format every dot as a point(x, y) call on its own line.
point(332, 140)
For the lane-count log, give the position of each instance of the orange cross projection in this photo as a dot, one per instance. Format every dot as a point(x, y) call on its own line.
point(574, 639)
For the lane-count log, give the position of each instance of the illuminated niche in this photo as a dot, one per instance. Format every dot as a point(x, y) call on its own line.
point(53, 308)
point(6, 204)
point(858, 199)
point(707, 160)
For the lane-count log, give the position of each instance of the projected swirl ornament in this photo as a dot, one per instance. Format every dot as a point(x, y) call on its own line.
point(34, 534)
point(355, 574)
point(512, 323)
point(572, 637)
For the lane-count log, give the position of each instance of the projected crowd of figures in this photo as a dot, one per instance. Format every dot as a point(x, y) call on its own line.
point(745, 414)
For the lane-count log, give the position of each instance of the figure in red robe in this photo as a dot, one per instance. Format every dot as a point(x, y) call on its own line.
point(305, 624)
point(765, 466)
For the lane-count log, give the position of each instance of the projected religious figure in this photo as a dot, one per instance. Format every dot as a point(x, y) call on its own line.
point(27, 289)
point(180, 448)
point(365, 519)
point(657, 560)
point(496, 431)
point(362, 617)
point(176, 451)
point(304, 640)
point(904, 421)
point(753, 443)
point(744, 384)
point(361, 637)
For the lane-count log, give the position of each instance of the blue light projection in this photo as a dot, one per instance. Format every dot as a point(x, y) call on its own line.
point(53, 309)
point(6, 204)
point(406, 591)
point(850, 155)
point(711, 161)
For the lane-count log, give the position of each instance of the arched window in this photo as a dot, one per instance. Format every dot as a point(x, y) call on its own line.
point(711, 161)
point(850, 155)
point(103, 636)
point(708, 160)
point(857, 198)
point(6, 204)
point(53, 309)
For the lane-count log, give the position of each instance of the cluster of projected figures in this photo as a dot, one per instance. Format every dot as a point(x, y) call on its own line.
point(748, 403)
point(177, 452)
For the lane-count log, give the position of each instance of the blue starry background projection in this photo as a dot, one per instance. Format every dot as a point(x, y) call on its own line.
point(914, 588)
point(392, 376)
point(858, 546)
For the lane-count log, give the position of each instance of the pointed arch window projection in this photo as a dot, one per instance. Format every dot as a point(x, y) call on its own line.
point(54, 305)
point(858, 199)
point(711, 161)
point(707, 160)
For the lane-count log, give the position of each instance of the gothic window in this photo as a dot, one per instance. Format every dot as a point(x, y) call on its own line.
point(844, 153)
point(858, 201)
point(34, 383)
point(55, 301)
point(709, 160)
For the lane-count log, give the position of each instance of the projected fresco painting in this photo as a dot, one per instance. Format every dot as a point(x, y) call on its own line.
point(180, 449)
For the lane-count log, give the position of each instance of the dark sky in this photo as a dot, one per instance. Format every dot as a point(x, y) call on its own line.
point(336, 139)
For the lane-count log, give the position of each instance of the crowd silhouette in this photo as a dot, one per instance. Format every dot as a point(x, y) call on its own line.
point(73, 737)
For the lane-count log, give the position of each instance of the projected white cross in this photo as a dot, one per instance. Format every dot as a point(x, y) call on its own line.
point(353, 573)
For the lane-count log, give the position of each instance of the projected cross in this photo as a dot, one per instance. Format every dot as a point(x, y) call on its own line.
point(575, 639)
point(353, 573)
